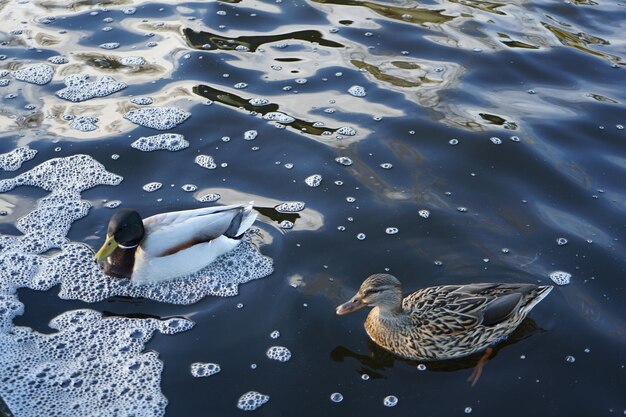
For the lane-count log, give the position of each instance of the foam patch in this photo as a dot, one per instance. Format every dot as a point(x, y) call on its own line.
point(160, 118)
point(165, 141)
point(13, 160)
point(252, 400)
point(39, 74)
point(84, 123)
point(79, 88)
point(91, 366)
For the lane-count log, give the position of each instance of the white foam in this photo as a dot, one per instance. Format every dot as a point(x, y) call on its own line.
point(346, 131)
point(110, 45)
point(201, 369)
point(133, 61)
point(258, 101)
point(39, 74)
point(208, 198)
point(560, 277)
point(58, 59)
point(278, 117)
point(278, 353)
point(205, 161)
point(152, 186)
point(91, 366)
point(357, 91)
point(13, 160)
point(79, 88)
point(165, 141)
point(252, 400)
point(290, 207)
point(344, 160)
point(160, 118)
point(314, 180)
point(250, 135)
point(84, 123)
point(142, 101)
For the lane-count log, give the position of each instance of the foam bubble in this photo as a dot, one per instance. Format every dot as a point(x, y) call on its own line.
point(250, 135)
point(152, 186)
point(165, 141)
point(346, 131)
point(424, 213)
point(357, 91)
point(92, 365)
point(208, 198)
point(13, 160)
point(314, 180)
point(4, 82)
point(286, 224)
point(142, 101)
point(189, 187)
point(205, 161)
point(79, 88)
point(132, 61)
point(160, 118)
point(560, 277)
point(201, 369)
point(258, 101)
point(279, 353)
point(110, 45)
point(290, 207)
point(278, 117)
point(39, 74)
point(58, 60)
point(84, 123)
point(252, 400)
point(343, 160)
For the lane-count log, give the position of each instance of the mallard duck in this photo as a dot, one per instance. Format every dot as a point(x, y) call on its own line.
point(443, 322)
point(170, 245)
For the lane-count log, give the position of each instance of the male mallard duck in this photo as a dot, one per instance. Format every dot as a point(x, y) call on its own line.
point(170, 245)
point(443, 322)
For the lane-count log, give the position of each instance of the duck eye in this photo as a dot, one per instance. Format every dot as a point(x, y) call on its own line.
point(372, 291)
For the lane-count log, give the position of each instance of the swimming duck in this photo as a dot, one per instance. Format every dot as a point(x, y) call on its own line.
point(442, 322)
point(170, 245)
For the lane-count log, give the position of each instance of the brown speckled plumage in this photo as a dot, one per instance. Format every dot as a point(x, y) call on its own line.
point(442, 322)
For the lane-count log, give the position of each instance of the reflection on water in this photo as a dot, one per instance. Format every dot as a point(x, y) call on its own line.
point(503, 120)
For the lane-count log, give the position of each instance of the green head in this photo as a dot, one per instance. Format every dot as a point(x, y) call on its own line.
point(125, 231)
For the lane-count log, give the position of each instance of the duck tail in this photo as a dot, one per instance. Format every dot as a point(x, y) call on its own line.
point(242, 221)
point(538, 294)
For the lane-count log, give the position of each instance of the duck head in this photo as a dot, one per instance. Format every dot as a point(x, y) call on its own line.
point(125, 231)
point(378, 290)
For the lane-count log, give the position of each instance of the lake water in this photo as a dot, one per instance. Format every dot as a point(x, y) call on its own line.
point(486, 142)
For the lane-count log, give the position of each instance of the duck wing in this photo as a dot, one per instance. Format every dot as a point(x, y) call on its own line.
point(168, 233)
point(457, 308)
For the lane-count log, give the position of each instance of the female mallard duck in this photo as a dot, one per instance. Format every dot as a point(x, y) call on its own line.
point(442, 322)
point(170, 245)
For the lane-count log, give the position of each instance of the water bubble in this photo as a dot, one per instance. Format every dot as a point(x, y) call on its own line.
point(390, 401)
point(453, 142)
point(391, 230)
point(250, 135)
point(468, 410)
point(421, 367)
point(438, 263)
point(346, 131)
point(290, 207)
point(462, 209)
point(252, 400)
point(275, 334)
point(361, 236)
point(561, 241)
point(495, 140)
point(357, 91)
point(286, 224)
point(515, 138)
point(365, 377)
point(152, 186)
point(570, 359)
point(239, 86)
point(278, 117)
point(505, 250)
point(424, 213)
point(343, 160)
point(205, 161)
point(341, 228)
point(189, 187)
point(338, 182)
point(201, 370)
point(314, 180)
point(258, 101)
point(560, 277)
point(336, 397)
point(110, 45)
point(350, 199)
point(208, 198)
point(386, 165)
point(278, 353)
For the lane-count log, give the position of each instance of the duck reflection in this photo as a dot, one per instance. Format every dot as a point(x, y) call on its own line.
point(378, 359)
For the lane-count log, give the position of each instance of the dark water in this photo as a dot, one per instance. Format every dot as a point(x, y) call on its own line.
point(549, 73)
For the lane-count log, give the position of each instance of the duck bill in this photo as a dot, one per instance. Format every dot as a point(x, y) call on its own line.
point(348, 307)
point(106, 250)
